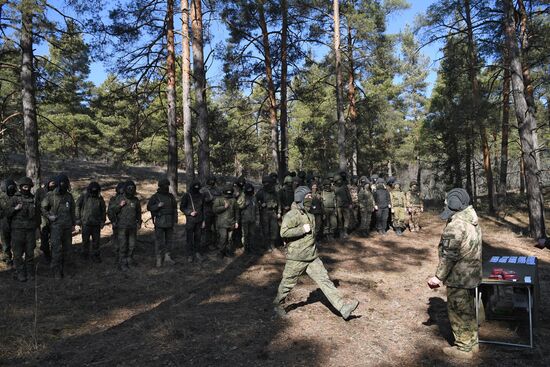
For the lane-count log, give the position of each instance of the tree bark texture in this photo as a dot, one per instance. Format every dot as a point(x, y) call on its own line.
point(185, 95)
point(342, 160)
point(473, 66)
point(283, 156)
point(527, 125)
point(199, 76)
point(505, 125)
point(172, 171)
point(352, 100)
point(28, 100)
point(272, 99)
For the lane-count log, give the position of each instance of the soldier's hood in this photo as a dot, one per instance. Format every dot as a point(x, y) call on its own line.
point(467, 215)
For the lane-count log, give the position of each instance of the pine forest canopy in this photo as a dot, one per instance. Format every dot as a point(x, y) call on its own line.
point(261, 86)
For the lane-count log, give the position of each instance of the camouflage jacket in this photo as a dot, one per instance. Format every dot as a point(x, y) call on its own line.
point(414, 199)
point(27, 216)
point(300, 246)
point(398, 199)
point(226, 217)
point(61, 207)
point(354, 194)
point(249, 208)
point(343, 197)
point(329, 200)
point(90, 210)
point(167, 215)
point(460, 251)
point(268, 200)
point(316, 203)
point(127, 216)
point(366, 200)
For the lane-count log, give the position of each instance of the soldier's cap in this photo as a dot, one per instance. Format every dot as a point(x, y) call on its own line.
point(380, 180)
point(364, 180)
point(391, 180)
point(25, 181)
point(300, 193)
point(49, 180)
point(267, 179)
point(274, 175)
point(163, 182)
point(195, 183)
point(413, 183)
point(228, 188)
point(457, 200)
point(374, 177)
point(62, 178)
point(94, 185)
point(288, 179)
point(292, 173)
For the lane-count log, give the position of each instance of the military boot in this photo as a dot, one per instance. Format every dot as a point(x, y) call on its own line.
point(168, 260)
point(348, 308)
point(457, 353)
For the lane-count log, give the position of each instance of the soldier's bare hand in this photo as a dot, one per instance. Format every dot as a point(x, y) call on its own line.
point(236, 225)
point(122, 203)
point(193, 214)
point(160, 204)
point(307, 228)
point(19, 206)
point(421, 210)
point(264, 205)
point(203, 225)
point(226, 205)
point(434, 282)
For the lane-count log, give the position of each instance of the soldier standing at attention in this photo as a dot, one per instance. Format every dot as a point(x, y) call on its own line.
point(298, 230)
point(366, 205)
point(353, 189)
point(91, 215)
point(227, 220)
point(398, 209)
point(317, 209)
point(415, 206)
point(343, 206)
point(9, 188)
point(23, 216)
point(330, 219)
point(249, 217)
point(58, 207)
point(45, 230)
point(119, 190)
point(209, 233)
point(127, 210)
point(192, 205)
point(267, 199)
point(286, 195)
point(164, 212)
point(382, 205)
point(459, 269)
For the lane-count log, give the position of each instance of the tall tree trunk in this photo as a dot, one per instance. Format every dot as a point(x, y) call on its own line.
point(352, 96)
point(28, 100)
point(185, 95)
point(521, 175)
point(199, 76)
point(283, 156)
point(270, 88)
point(172, 171)
point(472, 56)
point(505, 126)
point(524, 42)
point(527, 125)
point(342, 160)
point(419, 173)
point(468, 168)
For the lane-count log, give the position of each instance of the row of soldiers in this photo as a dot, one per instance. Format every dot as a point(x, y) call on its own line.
point(218, 217)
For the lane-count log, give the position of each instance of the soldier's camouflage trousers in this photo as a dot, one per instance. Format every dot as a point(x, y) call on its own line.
point(345, 220)
point(249, 231)
point(270, 226)
point(414, 219)
point(399, 216)
point(61, 240)
point(316, 271)
point(93, 233)
point(462, 315)
point(164, 239)
point(126, 244)
point(225, 241)
point(330, 222)
point(5, 238)
point(366, 217)
point(318, 225)
point(23, 242)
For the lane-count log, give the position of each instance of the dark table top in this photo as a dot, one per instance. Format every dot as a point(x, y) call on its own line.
point(524, 266)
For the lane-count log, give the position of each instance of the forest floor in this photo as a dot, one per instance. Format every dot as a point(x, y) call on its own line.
point(219, 312)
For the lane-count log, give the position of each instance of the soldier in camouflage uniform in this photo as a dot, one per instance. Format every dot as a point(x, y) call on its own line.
point(127, 211)
point(353, 189)
point(298, 229)
point(9, 188)
point(366, 205)
point(238, 192)
point(415, 206)
point(119, 190)
point(250, 216)
point(164, 212)
point(382, 205)
point(330, 218)
point(459, 269)
point(59, 208)
point(192, 205)
point(267, 199)
point(344, 206)
point(45, 230)
point(91, 215)
point(227, 220)
point(23, 216)
point(209, 233)
point(286, 195)
point(398, 209)
point(317, 209)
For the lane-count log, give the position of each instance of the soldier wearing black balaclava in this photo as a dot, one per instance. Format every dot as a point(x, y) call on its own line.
point(164, 212)
point(9, 189)
point(119, 190)
point(249, 217)
point(192, 205)
point(382, 205)
point(91, 215)
point(238, 189)
point(270, 212)
point(209, 233)
point(59, 208)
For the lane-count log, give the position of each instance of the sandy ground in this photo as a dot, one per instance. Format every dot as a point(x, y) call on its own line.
point(218, 313)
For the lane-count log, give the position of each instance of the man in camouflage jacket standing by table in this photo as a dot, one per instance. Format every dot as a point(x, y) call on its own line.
point(459, 269)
